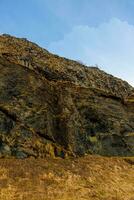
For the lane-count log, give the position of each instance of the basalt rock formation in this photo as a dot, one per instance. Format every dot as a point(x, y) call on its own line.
point(53, 106)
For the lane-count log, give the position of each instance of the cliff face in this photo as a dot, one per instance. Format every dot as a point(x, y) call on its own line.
point(52, 106)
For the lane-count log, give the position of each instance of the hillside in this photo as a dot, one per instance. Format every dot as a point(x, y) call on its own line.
point(52, 106)
point(86, 178)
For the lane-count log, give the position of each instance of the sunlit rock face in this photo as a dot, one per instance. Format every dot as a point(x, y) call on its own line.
point(52, 106)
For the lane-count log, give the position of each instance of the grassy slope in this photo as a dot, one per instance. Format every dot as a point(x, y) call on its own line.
point(91, 177)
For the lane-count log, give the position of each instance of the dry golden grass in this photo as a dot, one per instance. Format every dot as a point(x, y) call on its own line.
point(89, 178)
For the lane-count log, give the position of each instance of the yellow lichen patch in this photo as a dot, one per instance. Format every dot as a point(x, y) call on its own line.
point(130, 134)
point(50, 149)
point(93, 139)
point(129, 99)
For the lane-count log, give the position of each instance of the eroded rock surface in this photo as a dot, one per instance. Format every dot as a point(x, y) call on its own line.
point(52, 106)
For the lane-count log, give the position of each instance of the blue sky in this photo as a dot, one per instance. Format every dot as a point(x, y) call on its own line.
point(94, 31)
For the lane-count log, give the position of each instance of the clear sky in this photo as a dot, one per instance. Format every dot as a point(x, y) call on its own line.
point(93, 31)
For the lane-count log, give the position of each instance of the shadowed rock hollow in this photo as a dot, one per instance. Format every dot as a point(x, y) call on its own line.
point(52, 106)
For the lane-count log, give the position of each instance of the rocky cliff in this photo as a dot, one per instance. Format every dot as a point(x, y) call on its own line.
point(52, 106)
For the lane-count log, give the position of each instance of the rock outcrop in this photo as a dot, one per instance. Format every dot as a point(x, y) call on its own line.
point(52, 106)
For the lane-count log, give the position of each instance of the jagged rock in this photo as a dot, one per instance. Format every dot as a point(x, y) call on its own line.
point(52, 106)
